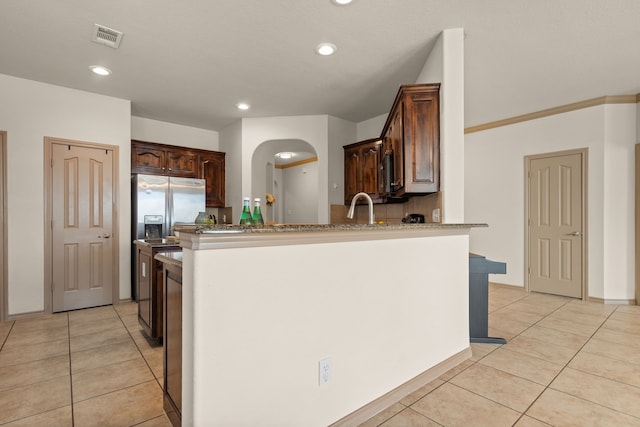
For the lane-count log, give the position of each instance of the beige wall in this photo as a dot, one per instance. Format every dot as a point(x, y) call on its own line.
point(173, 134)
point(494, 191)
point(446, 66)
point(29, 112)
point(296, 305)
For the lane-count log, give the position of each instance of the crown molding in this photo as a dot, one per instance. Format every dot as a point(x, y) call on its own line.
point(616, 99)
point(298, 163)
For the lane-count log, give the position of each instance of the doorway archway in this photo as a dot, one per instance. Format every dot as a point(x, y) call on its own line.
point(293, 181)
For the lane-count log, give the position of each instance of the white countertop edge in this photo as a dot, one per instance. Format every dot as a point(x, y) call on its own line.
point(250, 240)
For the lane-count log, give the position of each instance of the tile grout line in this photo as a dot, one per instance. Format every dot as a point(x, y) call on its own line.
point(73, 418)
point(410, 407)
point(547, 387)
point(4, 341)
point(138, 348)
point(448, 381)
point(11, 329)
point(521, 414)
point(564, 304)
point(68, 353)
point(141, 353)
point(559, 372)
point(599, 376)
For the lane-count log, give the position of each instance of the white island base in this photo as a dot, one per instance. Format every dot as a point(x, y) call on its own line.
point(388, 307)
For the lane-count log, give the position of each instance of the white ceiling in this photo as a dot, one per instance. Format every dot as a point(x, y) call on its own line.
point(190, 62)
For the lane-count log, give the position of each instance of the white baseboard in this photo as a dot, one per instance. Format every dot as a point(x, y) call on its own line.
point(28, 315)
point(612, 301)
point(383, 402)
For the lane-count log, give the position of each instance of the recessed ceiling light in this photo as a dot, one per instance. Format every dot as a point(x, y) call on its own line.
point(242, 106)
point(100, 70)
point(326, 49)
point(285, 155)
point(341, 2)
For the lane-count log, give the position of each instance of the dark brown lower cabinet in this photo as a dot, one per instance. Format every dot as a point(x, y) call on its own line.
point(172, 390)
point(149, 282)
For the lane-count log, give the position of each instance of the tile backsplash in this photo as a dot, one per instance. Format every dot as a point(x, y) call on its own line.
point(223, 215)
point(390, 212)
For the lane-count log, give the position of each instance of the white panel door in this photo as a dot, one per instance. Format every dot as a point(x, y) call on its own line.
point(82, 206)
point(555, 225)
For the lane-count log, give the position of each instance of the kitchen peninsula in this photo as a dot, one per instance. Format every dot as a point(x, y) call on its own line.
point(385, 307)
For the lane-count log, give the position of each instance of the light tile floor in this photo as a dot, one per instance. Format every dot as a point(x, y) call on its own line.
point(88, 367)
point(567, 363)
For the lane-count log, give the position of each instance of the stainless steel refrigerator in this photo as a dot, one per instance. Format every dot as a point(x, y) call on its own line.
point(160, 202)
point(157, 204)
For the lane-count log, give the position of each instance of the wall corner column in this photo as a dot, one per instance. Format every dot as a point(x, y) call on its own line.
point(446, 65)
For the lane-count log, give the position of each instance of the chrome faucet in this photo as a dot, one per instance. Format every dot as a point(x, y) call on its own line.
point(353, 206)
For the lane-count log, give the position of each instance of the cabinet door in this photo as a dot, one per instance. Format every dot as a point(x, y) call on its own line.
point(395, 144)
point(173, 344)
point(144, 288)
point(183, 163)
point(370, 168)
point(146, 159)
point(421, 142)
point(213, 172)
point(352, 181)
point(157, 300)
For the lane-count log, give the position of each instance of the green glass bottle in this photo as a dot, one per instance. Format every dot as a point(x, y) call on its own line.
point(257, 214)
point(245, 217)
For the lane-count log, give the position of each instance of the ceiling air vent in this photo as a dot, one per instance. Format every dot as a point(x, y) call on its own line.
point(106, 36)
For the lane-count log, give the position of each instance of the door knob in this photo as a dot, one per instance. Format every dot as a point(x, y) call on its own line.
point(105, 236)
point(575, 233)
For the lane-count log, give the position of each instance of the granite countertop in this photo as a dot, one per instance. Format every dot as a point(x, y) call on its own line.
point(174, 258)
point(197, 237)
point(158, 243)
point(288, 228)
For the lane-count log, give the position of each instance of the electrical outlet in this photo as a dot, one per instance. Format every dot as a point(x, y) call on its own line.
point(435, 215)
point(324, 371)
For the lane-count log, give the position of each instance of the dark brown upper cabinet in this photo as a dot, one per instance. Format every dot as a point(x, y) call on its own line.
point(160, 159)
point(212, 170)
point(362, 169)
point(411, 141)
